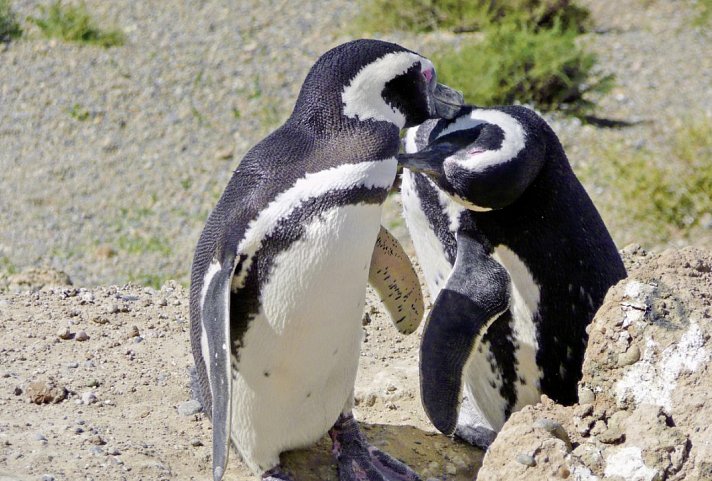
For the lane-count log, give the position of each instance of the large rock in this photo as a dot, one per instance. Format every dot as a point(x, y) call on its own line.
point(645, 411)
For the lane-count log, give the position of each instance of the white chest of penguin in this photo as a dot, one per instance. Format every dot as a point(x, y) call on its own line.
point(300, 354)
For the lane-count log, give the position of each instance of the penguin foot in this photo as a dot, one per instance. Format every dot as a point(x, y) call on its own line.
point(359, 461)
point(479, 436)
point(276, 474)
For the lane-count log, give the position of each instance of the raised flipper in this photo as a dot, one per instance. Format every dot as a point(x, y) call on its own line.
point(476, 293)
point(394, 279)
point(215, 347)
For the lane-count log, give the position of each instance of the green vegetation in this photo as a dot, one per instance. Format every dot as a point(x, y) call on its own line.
point(463, 15)
point(704, 13)
point(77, 112)
point(149, 280)
point(9, 27)
point(74, 24)
point(662, 200)
point(529, 50)
point(6, 266)
point(135, 243)
point(518, 62)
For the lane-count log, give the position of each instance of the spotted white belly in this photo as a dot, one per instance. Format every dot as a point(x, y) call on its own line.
point(428, 248)
point(298, 364)
point(481, 383)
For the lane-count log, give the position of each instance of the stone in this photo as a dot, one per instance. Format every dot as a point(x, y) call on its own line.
point(45, 392)
point(188, 408)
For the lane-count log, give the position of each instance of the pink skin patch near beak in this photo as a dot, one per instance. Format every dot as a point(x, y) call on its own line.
point(428, 74)
point(475, 151)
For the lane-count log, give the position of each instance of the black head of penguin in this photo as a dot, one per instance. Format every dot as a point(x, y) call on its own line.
point(372, 80)
point(484, 158)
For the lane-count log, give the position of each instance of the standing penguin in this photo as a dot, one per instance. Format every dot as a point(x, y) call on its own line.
point(516, 257)
point(280, 271)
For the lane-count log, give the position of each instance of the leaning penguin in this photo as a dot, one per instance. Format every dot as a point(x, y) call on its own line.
point(280, 270)
point(516, 257)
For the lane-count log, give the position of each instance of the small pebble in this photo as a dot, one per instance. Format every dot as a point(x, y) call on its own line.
point(555, 429)
point(525, 459)
point(96, 450)
point(196, 442)
point(99, 320)
point(82, 336)
point(89, 398)
point(64, 333)
point(87, 297)
point(47, 477)
point(133, 332)
point(612, 435)
point(586, 396)
point(189, 408)
point(73, 365)
point(40, 437)
point(631, 356)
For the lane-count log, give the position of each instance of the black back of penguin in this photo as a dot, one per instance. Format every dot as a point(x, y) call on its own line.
point(543, 214)
point(315, 137)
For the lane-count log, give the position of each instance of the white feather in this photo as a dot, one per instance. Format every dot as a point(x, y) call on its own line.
point(362, 96)
point(298, 363)
point(512, 144)
point(378, 173)
point(428, 248)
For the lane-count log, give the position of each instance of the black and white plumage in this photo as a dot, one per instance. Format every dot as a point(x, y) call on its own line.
point(516, 257)
point(280, 270)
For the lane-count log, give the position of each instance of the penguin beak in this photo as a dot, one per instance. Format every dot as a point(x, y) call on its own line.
point(446, 102)
point(430, 160)
point(423, 162)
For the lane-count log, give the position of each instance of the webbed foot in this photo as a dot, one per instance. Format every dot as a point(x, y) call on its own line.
point(478, 436)
point(276, 474)
point(360, 461)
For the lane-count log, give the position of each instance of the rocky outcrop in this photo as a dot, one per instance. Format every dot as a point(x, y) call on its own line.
point(645, 410)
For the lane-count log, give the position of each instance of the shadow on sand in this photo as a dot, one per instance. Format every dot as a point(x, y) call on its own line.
point(432, 455)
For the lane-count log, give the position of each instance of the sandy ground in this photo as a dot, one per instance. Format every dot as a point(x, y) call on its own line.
point(112, 364)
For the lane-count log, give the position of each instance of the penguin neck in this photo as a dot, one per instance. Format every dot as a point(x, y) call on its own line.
point(326, 118)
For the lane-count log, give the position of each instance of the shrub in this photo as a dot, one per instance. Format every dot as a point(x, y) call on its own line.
point(464, 15)
point(703, 13)
point(9, 27)
point(519, 62)
point(529, 53)
point(74, 24)
point(663, 200)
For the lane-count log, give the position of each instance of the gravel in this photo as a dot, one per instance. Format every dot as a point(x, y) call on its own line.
point(122, 196)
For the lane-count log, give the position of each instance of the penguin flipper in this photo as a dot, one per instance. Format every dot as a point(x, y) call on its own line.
point(475, 294)
point(215, 320)
point(396, 282)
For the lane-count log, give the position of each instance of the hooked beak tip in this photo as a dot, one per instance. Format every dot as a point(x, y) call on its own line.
point(447, 102)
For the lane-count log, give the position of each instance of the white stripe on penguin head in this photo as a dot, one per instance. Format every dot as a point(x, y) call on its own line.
point(362, 97)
